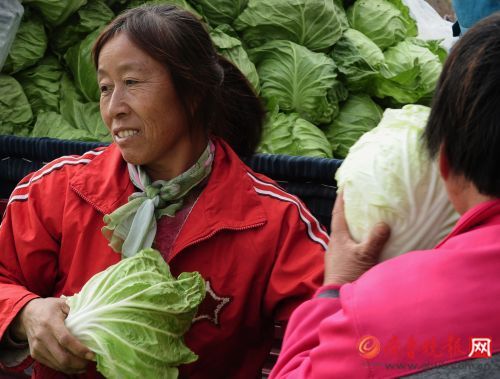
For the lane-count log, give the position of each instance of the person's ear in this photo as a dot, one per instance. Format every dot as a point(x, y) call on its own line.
point(444, 166)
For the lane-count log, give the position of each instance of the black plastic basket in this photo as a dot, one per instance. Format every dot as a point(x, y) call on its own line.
point(311, 179)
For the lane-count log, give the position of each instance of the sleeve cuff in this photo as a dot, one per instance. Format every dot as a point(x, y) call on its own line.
point(13, 358)
point(331, 291)
point(9, 341)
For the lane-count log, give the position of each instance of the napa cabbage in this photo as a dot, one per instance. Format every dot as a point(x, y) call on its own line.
point(388, 176)
point(133, 317)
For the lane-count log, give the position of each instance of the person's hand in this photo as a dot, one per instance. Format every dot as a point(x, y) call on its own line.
point(346, 260)
point(41, 322)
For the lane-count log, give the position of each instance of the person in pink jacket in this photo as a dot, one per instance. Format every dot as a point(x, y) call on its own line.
point(428, 313)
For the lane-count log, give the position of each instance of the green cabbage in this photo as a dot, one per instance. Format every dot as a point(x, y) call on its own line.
point(86, 116)
point(387, 176)
point(79, 60)
point(316, 24)
point(41, 84)
point(15, 110)
point(133, 316)
point(232, 49)
point(53, 125)
point(358, 115)
point(81, 115)
point(88, 18)
point(11, 14)
point(410, 73)
point(220, 11)
point(385, 22)
point(61, 111)
point(55, 12)
point(29, 45)
point(359, 60)
point(300, 80)
point(291, 135)
point(180, 3)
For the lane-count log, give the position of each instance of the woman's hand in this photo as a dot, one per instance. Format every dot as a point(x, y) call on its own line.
point(41, 322)
point(345, 259)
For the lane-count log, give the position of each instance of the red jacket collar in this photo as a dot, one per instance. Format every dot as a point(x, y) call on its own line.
point(105, 184)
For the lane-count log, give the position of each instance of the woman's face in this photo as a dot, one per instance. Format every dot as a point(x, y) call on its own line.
point(140, 107)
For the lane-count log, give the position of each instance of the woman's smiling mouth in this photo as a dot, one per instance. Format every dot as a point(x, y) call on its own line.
point(124, 134)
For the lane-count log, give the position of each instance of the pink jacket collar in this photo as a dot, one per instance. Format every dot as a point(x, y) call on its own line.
point(474, 217)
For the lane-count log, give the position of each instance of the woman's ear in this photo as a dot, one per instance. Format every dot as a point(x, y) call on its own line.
point(444, 166)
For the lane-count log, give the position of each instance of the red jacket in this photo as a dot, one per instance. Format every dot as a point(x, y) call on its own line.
point(417, 312)
point(259, 249)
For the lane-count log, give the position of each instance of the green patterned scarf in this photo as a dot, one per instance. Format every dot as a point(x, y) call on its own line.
point(132, 227)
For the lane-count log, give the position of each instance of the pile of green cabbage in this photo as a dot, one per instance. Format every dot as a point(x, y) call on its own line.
point(324, 70)
point(388, 176)
point(133, 317)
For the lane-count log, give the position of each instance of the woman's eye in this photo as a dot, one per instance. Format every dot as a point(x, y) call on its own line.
point(103, 88)
point(130, 82)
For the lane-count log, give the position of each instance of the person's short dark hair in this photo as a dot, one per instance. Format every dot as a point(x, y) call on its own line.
point(465, 114)
point(214, 93)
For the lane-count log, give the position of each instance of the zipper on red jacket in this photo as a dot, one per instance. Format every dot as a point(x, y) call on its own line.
point(88, 201)
point(214, 232)
point(204, 238)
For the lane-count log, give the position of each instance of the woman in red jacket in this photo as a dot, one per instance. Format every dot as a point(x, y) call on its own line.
point(425, 312)
point(179, 115)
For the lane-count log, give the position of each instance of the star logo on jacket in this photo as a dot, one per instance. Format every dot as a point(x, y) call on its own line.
point(211, 306)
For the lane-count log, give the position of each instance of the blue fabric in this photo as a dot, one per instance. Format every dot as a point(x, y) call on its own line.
point(471, 11)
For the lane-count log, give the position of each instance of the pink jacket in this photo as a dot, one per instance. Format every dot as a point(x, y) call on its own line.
point(406, 315)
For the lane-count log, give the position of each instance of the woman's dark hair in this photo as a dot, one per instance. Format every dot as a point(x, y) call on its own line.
point(214, 93)
point(465, 115)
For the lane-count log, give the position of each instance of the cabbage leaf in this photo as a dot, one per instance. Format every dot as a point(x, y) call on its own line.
point(15, 110)
point(53, 125)
point(55, 12)
point(358, 114)
point(410, 73)
point(359, 60)
point(179, 3)
point(300, 80)
point(291, 135)
point(28, 46)
point(80, 114)
point(133, 317)
point(385, 22)
point(315, 24)
point(88, 18)
point(220, 11)
point(79, 60)
point(231, 48)
point(42, 83)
